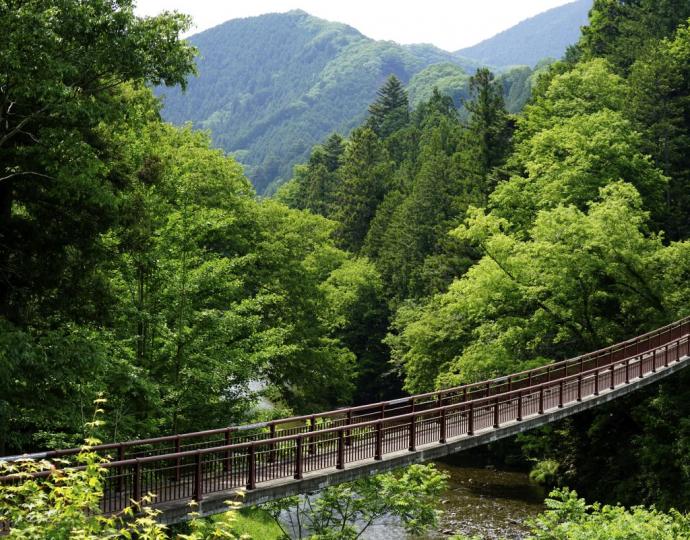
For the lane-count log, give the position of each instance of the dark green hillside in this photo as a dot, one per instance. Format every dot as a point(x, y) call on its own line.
point(271, 87)
point(453, 81)
point(546, 35)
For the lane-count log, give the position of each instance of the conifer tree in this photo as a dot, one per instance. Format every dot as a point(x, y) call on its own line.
point(390, 112)
point(362, 187)
point(333, 151)
point(623, 30)
point(489, 130)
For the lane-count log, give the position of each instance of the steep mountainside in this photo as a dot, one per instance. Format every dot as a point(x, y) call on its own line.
point(270, 87)
point(546, 35)
point(453, 81)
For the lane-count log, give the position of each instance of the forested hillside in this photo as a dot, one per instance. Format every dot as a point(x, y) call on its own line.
point(428, 247)
point(508, 241)
point(546, 35)
point(270, 87)
point(136, 261)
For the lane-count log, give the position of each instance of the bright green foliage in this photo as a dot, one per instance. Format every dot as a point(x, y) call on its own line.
point(61, 504)
point(570, 518)
point(587, 88)
point(65, 505)
point(357, 317)
point(256, 523)
point(582, 280)
point(346, 511)
point(293, 257)
point(570, 162)
point(569, 147)
point(545, 472)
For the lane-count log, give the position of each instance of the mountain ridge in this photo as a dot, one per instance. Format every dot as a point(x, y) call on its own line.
point(523, 42)
point(272, 86)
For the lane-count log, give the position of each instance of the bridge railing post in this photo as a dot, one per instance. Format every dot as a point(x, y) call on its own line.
point(178, 462)
point(470, 420)
point(340, 464)
point(272, 435)
point(251, 468)
point(120, 469)
point(627, 371)
point(136, 481)
point(497, 419)
point(666, 356)
point(596, 382)
point(560, 394)
point(312, 428)
point(378, 449)
point(519, 411)
point(198, 479)
point(227, 468)
point(299, 444)
point(579, 387)
point(348, 438)
point(641, 366)
point(413, 434)
point(613, 381)
point(654, 361)
point(442, 427)
point(541, 400)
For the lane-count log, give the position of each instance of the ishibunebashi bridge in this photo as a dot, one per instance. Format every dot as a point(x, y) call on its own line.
point(270, 460)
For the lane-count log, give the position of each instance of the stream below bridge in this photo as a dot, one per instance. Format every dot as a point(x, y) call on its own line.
point(491, 503)
point(483, 501)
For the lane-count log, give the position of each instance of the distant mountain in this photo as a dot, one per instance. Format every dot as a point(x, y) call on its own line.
point(546, 35)
point(270, 87)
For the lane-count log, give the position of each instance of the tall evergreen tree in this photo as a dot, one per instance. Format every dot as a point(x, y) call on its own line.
point(659, 85)
point(363, 177)
point(621, 30)
point(390, 112)
point(489, 131)
point(333, 150)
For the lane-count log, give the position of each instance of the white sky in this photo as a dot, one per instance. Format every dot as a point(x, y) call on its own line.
point(449, 24)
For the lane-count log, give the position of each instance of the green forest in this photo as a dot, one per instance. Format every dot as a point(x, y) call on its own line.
point(269, 87)
point(504, 241)
point(434, 245)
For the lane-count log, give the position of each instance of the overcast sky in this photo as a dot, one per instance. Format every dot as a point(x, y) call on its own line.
point(449, 24)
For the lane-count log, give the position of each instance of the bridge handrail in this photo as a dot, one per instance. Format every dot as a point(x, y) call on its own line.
point(474, 404)
point(375, 407)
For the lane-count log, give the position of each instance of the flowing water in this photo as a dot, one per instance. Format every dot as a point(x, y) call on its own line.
point(486, 502)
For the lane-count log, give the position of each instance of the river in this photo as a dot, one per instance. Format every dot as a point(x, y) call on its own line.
point(487, 502)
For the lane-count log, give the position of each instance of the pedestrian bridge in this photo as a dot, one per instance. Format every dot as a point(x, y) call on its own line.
point(306, 453)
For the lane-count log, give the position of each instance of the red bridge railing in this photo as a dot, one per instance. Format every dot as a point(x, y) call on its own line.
point(189, 466)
